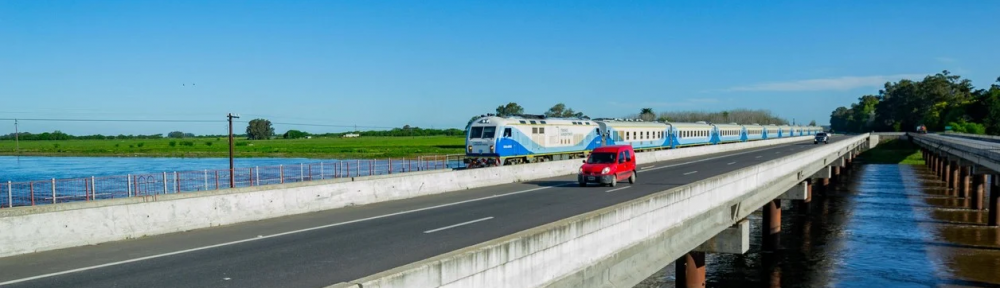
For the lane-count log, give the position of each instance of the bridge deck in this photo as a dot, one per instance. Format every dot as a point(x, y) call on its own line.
point(327, 247)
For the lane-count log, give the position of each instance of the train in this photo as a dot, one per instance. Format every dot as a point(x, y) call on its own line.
point(497, 141)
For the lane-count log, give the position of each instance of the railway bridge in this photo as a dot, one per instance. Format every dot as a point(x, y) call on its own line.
point(511, 226)
point(968, 165)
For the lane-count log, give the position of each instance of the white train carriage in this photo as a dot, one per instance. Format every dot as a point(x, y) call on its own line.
point(754, 132)
point(726, 133)
point(642, 136)
point(690, 134)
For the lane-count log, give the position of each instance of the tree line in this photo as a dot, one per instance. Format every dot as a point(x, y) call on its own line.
point(936, 102)
point(740, 116)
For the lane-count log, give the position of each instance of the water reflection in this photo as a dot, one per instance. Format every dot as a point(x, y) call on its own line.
point(884, 226)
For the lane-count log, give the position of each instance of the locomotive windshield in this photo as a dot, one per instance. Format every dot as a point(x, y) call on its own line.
point(601, 158)
point(489, 132)
point(476, 132)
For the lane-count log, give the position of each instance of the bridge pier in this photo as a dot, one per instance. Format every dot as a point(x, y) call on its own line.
point(978, 190)
point(955, 169)
point(994, 215)
point(690, 270)
point(964, 185)
point(947, 177)
point(771, 226)
point(937, 166)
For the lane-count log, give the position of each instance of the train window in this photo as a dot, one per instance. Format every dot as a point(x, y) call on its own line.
point(506, 132)
point(476, 132)
point(588, 123)
point(541, 130)
point(534, 130)
point(533, 122)
point(523, 122)
point(543, 122)
point(598, 131)
point(489, 132)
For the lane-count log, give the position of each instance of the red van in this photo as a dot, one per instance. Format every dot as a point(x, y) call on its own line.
point(608, 165)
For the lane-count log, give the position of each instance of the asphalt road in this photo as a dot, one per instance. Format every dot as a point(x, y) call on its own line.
point(323, 248)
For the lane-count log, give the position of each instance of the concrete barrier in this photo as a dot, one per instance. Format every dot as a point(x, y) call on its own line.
point(40, 228)
point(616, 246)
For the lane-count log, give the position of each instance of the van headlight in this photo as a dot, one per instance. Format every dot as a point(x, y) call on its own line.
point(581, 170)
point(606, 170)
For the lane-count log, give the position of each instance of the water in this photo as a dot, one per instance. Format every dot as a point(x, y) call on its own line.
point(40, 168)
point(884, 226)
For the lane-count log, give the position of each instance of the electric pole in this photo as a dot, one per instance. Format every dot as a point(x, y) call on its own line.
point(17, 141)
point(232, 169)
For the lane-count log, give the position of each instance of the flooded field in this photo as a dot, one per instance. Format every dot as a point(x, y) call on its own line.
point(883, 226)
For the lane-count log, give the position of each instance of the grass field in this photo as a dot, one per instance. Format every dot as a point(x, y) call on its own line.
point(327, 148)
point(893, 152)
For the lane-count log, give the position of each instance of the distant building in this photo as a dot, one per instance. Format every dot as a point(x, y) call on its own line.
point(352, 135)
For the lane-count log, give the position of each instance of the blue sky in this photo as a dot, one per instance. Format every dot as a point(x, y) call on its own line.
point(437, 63)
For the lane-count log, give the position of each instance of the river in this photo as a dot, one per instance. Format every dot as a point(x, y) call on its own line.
point(40, 168)
point(884, 226)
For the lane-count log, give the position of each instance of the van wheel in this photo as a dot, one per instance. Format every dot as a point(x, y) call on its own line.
point(631, 179)
point(815, 142)
point(583, 184)
point(614, 181)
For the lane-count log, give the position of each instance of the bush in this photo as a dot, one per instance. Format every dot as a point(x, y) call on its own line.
point(173, 144)
point(140, 144)
point(208, 143)
point(187, 143)
point(967, 127)
point(241, 144)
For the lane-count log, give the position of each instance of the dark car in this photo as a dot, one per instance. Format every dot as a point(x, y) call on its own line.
point(822, 137)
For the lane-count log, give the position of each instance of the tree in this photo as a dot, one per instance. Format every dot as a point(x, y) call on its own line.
point(259, 129)
point(560, 110)
point(509, 109)
point(647, 114)
point(175, 134)
point(812, 123)
point(295, 134)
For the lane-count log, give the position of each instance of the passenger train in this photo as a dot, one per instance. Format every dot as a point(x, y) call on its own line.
point(495, 141)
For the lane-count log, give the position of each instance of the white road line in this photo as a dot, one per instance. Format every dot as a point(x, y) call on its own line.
point(616, 189)
point(272, 236)
point(647, 167)
point(731, 163)
point(459, 224)
point(758, 157)
point(710, 159)
point(779, 152)
point(689, 173)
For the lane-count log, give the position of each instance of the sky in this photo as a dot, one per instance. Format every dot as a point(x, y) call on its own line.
point(435, 64)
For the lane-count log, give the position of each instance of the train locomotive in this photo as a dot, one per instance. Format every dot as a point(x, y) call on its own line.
point(496, 141)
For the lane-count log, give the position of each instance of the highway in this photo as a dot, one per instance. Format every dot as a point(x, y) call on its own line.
point(323, 248)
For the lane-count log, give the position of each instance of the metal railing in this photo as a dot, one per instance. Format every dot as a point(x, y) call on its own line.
point(53, 191)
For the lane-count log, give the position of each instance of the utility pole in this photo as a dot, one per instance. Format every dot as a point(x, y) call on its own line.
point(232, 169)
point(17, 141)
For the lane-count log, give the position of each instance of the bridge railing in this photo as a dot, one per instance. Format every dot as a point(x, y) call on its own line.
point(980, 148)
point(53, 191)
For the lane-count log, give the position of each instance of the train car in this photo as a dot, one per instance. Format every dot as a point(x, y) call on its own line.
point(753, 132)
point(691, 134)
point(771, 132)
point(642, 136)
point(727, 133)
point(494, 141)
point(784, 131)
point(798, 130)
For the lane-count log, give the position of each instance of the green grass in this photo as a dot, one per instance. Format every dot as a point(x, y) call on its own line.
point(893, 152)
point(344, 148)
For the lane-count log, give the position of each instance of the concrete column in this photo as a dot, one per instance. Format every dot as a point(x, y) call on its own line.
point(824, 186)
point(964, 180)
point(978, 190)
point(955, 177)
point(947, 175)
point(804, 204)
point(771, 226)
point(938, 166)
point(994, 217)
point(836, 173)
point(690, 270)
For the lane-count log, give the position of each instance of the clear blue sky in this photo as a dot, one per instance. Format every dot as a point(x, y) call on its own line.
point(437, 63)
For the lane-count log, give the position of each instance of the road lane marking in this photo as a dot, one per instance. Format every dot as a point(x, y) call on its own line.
point(779, 152)
point(456, 225)
point(616, 189)
point(689, 173)
point(731, 163)
point(758, 157)
point(712, 158)
point(647, 167)
point(271, 236)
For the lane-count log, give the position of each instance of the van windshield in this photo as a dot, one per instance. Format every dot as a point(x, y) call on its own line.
point(601, 158)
